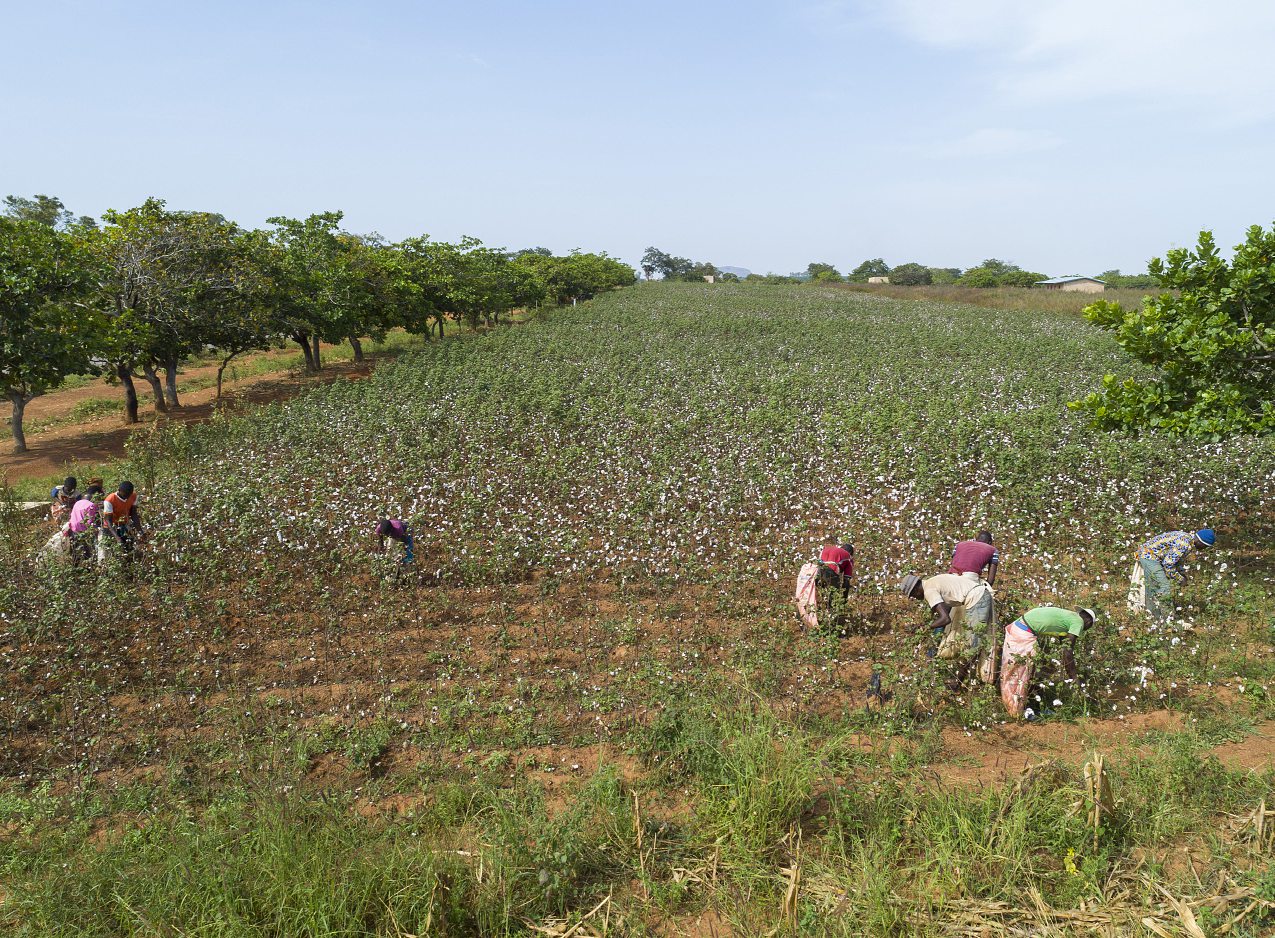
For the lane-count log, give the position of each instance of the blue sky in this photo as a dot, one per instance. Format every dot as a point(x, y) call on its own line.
point(1069, 136)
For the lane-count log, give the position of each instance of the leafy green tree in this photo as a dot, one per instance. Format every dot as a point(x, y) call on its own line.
point(48, 330)
point(944, 275)
point(695, 273)
point(1116, 280)
point(911, 275)
point(1211, 344)
point(167, 276)
point(321, 293)
point(1021, 278)
point(655, 261)
point(48, 210)
point(823, 273)
point(669, 266)
point(876, 267)
point(979, 277)
point(578, 276)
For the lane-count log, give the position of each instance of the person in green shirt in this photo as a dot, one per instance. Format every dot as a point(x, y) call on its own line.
point(1018, 656)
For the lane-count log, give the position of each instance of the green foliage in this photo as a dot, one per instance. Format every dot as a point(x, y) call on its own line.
point(823, 273)
point(47, 210)
point(944, 275)
point(911, 275)
point(671, 267)
point(577, 276)
point(1210, 344)
point(1115, 280)
point(875, 267)
point(994, 272)
point(47, 331)
point(1021, 278)
point(979, 277)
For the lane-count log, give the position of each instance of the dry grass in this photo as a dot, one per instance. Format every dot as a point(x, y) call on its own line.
point(1012, 298)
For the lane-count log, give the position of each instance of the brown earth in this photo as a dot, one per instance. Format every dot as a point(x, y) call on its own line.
point(52, 451)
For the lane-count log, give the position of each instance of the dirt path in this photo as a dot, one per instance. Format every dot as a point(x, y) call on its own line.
point(55, 450)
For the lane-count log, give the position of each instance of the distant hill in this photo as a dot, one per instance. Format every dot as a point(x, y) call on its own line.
point(740, 272)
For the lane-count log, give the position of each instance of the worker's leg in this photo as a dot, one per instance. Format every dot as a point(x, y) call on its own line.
point(1159, 590)
point(409, 547)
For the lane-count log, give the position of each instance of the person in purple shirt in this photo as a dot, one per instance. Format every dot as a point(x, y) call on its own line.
point(397, 530)
point(971, 557)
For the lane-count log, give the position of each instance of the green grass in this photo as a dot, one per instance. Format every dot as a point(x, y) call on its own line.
point(592, 684)
point(878, 848)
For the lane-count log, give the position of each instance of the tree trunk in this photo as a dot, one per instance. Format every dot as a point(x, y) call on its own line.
point(303, 340)
point(152, 378)
point(170, 381)
point(318, 361)
point(19, 408)
point(221, 370)
point(125, 374)
point(358, 348)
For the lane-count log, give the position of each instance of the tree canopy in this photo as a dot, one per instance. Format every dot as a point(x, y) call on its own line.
point(46, 328)
point(911, 275)
point(152, 286)
point(875, 267)
point(1209, 341)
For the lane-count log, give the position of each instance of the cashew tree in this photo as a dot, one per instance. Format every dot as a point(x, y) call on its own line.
point(47, 330)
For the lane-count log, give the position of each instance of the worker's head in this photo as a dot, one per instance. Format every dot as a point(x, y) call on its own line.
point(1205, 537)
point(911, 586)
point(1088, 617)
point(985, 536)
point(125, 489)
point(847, 546)
point(69, 484)
point(94, 490)
point(383, 527)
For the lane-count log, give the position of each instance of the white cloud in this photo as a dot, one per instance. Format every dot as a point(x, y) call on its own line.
point(1161, 55)
point(995, 141)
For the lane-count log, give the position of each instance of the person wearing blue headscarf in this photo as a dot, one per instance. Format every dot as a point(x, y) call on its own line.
point(1158, 560)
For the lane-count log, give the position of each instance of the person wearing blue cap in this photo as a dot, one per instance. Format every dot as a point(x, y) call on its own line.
point(1158, 560)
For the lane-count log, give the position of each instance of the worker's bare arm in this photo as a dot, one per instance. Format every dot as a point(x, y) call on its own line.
point(991, 573)
point(942, 616)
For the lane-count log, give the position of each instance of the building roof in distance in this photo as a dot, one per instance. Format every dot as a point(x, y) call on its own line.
point(1070, 279)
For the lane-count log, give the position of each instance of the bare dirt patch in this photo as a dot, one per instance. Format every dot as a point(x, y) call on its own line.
point(101, 439)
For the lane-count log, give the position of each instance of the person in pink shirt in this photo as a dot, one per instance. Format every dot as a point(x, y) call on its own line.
point(971, 558)
point(82, 527)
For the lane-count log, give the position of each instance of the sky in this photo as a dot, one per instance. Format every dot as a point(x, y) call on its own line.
point(1067, 136)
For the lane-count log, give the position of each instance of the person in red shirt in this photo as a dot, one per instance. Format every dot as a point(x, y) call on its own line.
point(836, 567)
point(971, 557)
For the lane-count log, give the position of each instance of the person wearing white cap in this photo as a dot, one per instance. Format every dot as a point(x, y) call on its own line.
point(1018, 656)
point(960, 641)
point(1156, 566)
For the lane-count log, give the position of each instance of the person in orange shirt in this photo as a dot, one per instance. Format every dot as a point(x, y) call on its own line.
point(121, 518)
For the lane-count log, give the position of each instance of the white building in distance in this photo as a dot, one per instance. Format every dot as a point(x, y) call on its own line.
point(1073, 284)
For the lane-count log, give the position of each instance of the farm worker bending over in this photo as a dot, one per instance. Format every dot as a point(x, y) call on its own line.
point(1157, 567)
point(942, 592)
point(1018, 658)
point(399, 531)
point(971, 558)
point(64, 497)
point(121, 518)
point(82, 529)
point(836, 567)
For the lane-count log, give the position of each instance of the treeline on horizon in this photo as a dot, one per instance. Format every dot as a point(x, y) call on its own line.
point(139, 292)
point(993, 272)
